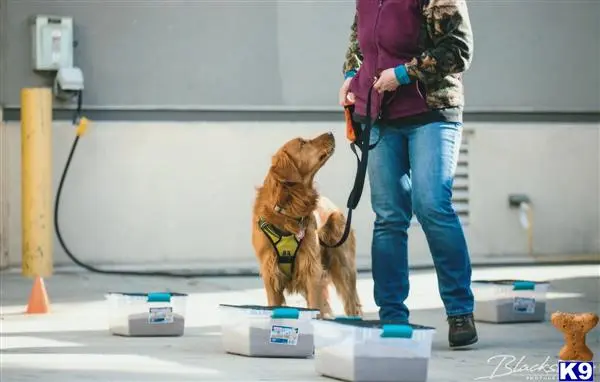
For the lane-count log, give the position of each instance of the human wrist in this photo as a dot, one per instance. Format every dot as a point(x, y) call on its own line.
point(402, 74)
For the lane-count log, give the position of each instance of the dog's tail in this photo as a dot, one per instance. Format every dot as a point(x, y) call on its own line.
point(332, 230)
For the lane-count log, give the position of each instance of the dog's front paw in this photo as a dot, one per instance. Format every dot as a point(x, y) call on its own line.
point(325, 316)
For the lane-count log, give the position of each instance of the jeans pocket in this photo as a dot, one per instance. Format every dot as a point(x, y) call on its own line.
point(375, 134)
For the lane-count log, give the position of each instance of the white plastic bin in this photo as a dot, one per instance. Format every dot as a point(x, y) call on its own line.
point(366, 351)
point(508, 301)
point(146, 314)
point(262, 331)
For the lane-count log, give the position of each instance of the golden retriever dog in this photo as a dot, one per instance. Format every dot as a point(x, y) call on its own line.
point(290, 216)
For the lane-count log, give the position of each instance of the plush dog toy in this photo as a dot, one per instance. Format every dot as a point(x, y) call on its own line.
point(575, 326)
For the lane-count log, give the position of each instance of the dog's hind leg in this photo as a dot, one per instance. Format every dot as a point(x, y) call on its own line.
point(341, 263)
point(344, 280)
point(326, 311)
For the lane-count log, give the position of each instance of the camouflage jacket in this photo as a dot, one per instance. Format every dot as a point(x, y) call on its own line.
point(435, 48)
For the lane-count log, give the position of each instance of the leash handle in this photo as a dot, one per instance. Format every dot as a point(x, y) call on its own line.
point(364, 146)
point(350, 133)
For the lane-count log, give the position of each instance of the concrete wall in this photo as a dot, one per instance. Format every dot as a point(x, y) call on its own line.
point(169, 54)
point(168, 193)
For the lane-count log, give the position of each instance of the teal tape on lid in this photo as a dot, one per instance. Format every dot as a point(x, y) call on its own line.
point(523, 285)
point(285, 313)
point(159, 297)
point(397, 331)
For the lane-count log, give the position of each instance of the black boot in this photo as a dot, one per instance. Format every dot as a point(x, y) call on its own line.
point(462, 331)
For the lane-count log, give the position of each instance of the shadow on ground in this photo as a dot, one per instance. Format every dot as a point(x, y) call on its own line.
point(197, 355)
point(95, 355)
point(200, 352)
point(88, 287)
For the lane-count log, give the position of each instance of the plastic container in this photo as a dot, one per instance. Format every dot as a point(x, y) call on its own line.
point(507, 301)
point(262, 331)
point(367, 351)
point(147, 314)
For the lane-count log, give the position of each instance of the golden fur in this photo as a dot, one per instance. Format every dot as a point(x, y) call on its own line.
point(289, 185)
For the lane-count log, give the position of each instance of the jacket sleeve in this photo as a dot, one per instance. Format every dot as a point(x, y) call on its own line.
point(451, 51)
point(353, 55)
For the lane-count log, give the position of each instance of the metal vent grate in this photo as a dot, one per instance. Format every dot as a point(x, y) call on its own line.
point(460, 191)
point(460, 195)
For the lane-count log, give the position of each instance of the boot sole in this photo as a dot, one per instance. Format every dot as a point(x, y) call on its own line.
point(458, 346)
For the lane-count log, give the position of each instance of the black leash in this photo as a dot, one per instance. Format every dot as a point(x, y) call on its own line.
point(363, 137)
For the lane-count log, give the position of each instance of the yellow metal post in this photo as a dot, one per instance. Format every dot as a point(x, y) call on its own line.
point(36, 181)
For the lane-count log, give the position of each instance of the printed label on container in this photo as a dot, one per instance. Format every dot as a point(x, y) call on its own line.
point(284, 335)
point(161, 315)
point(524, 305)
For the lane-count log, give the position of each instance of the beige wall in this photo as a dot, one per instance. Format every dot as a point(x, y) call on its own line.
point(170, 193)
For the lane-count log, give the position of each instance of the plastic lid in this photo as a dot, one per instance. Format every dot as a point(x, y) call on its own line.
point(377, 324)
point(141, 294)
point(260, 307)
point(508, 282)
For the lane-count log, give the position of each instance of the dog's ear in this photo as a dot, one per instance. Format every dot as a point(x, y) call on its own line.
point(283, 168)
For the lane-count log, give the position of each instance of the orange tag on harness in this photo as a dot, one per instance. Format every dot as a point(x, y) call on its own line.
point(350, 133)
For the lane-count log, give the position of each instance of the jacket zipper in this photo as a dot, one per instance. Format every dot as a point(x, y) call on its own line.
point(379, 97)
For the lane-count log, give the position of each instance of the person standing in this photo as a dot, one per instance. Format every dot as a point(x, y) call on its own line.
point(413, 53)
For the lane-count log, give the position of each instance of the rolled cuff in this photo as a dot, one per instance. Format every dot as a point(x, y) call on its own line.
point(349, 74)
point(402, 75)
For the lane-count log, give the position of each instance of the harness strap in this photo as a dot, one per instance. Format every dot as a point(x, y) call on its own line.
point(286, 246)
point(363, 138)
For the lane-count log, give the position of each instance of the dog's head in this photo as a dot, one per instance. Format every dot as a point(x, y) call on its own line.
point(298, 160)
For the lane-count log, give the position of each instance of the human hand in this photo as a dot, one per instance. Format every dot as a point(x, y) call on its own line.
point(346, 97)
point(387, 81)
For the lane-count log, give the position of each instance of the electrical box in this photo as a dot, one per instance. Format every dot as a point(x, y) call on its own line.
point(52, 42)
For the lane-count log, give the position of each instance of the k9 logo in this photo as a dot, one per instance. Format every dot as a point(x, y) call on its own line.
point(572, 371)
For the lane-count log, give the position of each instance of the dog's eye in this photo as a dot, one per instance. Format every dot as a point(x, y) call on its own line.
point(302, 142)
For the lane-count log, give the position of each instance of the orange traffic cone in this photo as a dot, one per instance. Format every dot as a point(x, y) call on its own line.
point(38, 299)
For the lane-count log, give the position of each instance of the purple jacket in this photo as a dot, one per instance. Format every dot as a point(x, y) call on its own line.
point(429, 40)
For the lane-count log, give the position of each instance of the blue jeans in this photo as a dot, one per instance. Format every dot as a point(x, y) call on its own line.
point(412, 169)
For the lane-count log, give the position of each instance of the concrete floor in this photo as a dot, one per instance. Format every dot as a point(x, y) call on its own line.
point(72, 342)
